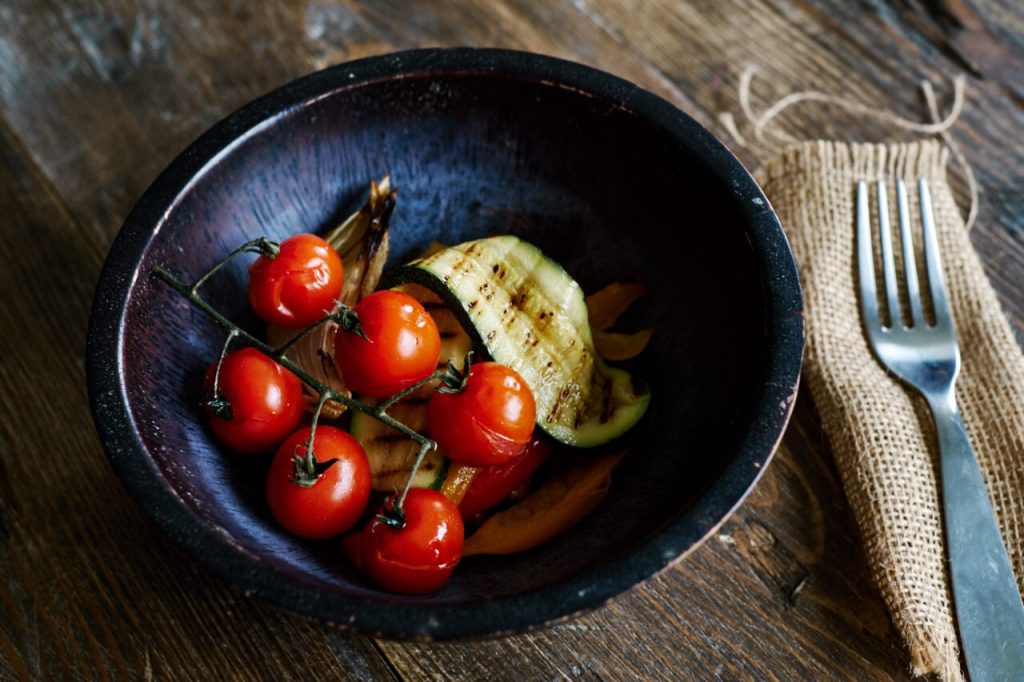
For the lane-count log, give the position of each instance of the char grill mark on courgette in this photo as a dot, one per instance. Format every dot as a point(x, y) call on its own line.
point(513, 302)
point(528, 313)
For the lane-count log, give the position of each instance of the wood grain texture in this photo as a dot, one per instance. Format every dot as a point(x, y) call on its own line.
point(754, 602)
point(95, 99)
point(87, 589)
point(875, 54)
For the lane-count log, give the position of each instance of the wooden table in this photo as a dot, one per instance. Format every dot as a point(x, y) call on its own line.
point(96, 98)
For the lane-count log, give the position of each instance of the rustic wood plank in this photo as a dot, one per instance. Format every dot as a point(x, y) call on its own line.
point(87, 589)
point(875, 55)
point(708, 643)
point(988, 37)
point(103, 96)
point(152, 77)
point(770, 596)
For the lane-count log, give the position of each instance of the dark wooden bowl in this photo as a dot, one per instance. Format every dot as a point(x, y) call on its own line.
point(607, 178)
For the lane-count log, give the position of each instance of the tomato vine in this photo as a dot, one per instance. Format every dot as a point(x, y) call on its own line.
point(307, 468)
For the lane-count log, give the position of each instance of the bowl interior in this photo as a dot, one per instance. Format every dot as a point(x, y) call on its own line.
point(603, 191)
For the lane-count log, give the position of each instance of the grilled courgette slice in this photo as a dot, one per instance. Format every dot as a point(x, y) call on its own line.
point(529, 314)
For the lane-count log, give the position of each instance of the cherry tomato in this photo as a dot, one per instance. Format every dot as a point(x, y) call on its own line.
point(402, 345)
point(493, 484)
point(488, 422)
point(299, 285)
point(421, 555)
point(265, 401)
point(332, 504)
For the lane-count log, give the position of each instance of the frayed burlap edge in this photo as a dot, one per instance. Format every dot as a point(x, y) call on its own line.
point(880, 433)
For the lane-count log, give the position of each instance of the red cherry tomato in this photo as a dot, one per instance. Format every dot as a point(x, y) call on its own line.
point(299, 285)
point(265, 401)
point(421, 555)
point(493, 484)
point(488, 422)
point(335, 501)
point(402, 345)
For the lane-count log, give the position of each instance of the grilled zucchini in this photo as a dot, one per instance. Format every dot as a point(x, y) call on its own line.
point(529, 314)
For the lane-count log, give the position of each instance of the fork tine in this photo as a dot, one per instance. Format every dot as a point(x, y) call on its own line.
point(933, 263)
point(909, 259)
point(888, 262)
point(866, 261)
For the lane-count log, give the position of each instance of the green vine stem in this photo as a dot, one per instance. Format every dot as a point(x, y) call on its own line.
point(335, 316)
point(308, 468)
point(220, 405)
point(260, 245)
point(394, 515)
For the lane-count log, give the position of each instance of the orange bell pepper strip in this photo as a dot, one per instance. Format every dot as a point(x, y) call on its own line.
point(557, 505)
point(604, 307)
point(614, 346)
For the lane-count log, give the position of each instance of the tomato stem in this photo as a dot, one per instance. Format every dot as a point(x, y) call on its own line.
point(378, 412)
point(261, 245)
point(383, 406)
point(453, 379)
point(220, 405)
point(393, 516)
point(308, 469)
point(348, 320)
point(424, 449)
point(333, 316)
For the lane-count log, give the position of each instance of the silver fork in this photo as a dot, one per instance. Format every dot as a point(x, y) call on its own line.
point(990, 615)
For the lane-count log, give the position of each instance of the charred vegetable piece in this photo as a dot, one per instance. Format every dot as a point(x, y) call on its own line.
point(391, 454)
point(315, 354)
point(529, 314)
point(554, 508)
point(458, 480)
point(363, 240)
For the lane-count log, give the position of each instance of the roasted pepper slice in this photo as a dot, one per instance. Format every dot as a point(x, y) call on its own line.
point(561, 502)
point(614, 346)
point(607, 305)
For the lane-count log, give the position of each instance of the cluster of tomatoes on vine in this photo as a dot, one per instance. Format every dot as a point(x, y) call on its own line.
point(387, 345)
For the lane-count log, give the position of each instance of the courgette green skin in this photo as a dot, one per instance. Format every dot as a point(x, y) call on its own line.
point(529, 314)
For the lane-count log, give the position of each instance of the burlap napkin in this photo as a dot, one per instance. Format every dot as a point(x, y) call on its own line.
point(880, 433)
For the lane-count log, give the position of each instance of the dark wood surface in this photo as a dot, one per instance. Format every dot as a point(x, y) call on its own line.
point(96, 98)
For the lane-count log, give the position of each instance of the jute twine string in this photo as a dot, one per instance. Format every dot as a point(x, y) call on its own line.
point(939, 126)
point(880, 433)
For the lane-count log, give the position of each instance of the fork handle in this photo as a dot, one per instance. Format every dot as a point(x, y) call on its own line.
point(988, 605)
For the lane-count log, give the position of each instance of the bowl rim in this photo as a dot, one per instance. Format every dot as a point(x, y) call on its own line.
point(422, 619)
